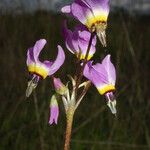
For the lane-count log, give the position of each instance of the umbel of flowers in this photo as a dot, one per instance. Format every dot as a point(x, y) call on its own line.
point(92, 16)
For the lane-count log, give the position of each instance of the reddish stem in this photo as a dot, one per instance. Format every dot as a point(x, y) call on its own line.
point(70, 114)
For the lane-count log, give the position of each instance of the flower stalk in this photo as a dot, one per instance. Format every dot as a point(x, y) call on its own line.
point(80, 75)
point(69, 121)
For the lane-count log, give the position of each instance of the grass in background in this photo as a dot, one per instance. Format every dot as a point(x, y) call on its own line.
point(94, 127)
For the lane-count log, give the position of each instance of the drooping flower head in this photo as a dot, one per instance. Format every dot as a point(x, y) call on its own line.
point(103, 76)
point(92, 13)
point(78, 40)
point(54, 110)
point(40, 70)
point(60, 88)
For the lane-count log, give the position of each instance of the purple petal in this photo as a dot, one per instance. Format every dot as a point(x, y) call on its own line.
point(80, 11)
point(54, 113)
point(79, 40)
point(87, 70)
point(98, 79)
point(71, 39)
point(84, 45)
point(100, 70)
point(47, 63)
point(110, 69)
point(98, 6)
point(84, 38)
point(96, 74)
point(58, 62)
point(95, 3)
point(30, 57)
point(33, 53)
point(38, 47)
point(85, 35)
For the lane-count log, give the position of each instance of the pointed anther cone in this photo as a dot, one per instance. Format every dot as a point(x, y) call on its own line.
point(32, 84)
point(101, 33)
point(111, 102)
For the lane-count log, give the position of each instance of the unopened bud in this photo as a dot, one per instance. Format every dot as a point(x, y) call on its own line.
point(59, 86)
point(54, 110)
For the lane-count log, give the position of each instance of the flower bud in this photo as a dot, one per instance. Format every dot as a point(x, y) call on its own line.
point(54, 110)
point(59, 86)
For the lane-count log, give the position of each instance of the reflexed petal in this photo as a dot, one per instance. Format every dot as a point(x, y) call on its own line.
point(58, 62)
point(38, 47)
point(95, 3)
point(80, 10)
point(86, 71)
point(71, 39)
point(98, 79)
point(85, 35)
point(30, 57)
point(94, 76)
point(33, 52)
point(47, 63)
point(98, 6)
point(91, 74)
point(99, 68)
point(84, 45)
point(110, 69)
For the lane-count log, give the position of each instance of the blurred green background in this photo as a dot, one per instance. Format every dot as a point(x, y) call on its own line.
point(94, 127)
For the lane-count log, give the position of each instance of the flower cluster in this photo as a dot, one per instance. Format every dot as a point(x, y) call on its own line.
point(92, 14)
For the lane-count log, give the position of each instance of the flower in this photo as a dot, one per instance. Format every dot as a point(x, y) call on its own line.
point(59, 86)
point(40, 70)
point(103, 76)
point(92, 13)
point(54, 110)
point(78, 40)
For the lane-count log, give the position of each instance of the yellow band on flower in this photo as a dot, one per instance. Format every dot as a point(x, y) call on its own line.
point(83, 57)
point(37, 69)
point(106, 88)
point(100, 17)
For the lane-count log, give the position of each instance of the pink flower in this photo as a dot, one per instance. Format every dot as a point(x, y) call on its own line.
point(103, 76)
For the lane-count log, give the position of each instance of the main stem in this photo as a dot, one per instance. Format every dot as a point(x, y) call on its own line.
point(70, 115)
point(71, 109)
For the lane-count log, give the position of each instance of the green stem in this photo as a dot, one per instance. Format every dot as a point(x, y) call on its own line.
point(70, 114)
